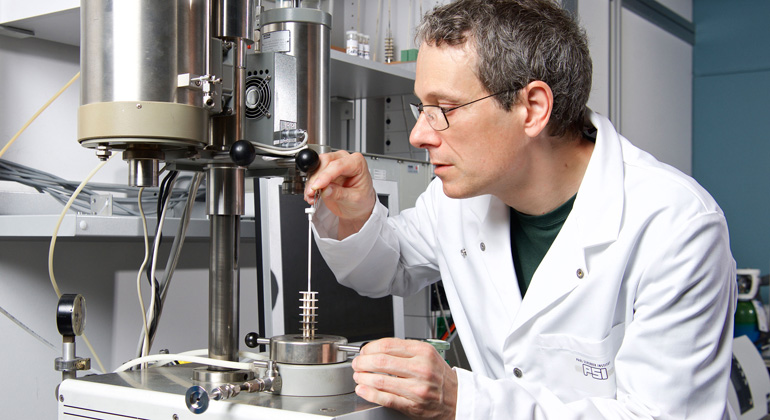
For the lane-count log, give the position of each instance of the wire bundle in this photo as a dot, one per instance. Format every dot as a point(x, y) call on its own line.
point(61, 189)
point(160, 287)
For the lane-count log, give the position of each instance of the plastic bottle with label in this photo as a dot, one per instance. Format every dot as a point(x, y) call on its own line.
point(351, 43)
point(366, 47)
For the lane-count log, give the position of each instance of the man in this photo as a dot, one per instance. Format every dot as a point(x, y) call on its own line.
point(587, 280)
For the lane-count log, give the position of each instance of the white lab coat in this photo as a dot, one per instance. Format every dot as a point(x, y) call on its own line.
point(628, 316)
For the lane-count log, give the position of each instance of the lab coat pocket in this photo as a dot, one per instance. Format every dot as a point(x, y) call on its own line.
point(576, 367)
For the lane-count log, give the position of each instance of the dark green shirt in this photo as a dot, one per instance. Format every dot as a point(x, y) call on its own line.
point(531, 237)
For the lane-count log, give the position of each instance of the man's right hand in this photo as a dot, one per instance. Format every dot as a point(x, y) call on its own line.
point(347, 189)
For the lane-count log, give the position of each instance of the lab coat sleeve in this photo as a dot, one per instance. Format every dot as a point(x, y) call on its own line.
point(675, 357)
point(388, 256)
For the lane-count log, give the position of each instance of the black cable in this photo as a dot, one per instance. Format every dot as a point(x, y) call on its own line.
point(164, 193)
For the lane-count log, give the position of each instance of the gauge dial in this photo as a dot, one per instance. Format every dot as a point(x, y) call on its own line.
point(71, 315)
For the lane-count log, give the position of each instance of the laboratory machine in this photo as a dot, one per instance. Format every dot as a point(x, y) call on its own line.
point(233, 90)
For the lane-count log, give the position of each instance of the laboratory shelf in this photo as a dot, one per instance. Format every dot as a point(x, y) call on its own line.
point(357, 78)
point(106, 227)
point(34, 215)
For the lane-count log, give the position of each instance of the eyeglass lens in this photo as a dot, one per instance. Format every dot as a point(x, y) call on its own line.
point(434, 114)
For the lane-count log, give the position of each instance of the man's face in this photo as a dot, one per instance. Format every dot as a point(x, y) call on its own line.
point(484, 147)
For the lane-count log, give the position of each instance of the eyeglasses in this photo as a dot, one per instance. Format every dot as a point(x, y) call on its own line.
point(434, 113)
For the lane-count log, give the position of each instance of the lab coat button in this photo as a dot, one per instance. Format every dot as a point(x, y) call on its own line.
point(517, 372)
point(580, 273)
point(463, 253)
point(483, 247)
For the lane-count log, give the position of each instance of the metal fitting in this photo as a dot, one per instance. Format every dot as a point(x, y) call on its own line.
point(80, 363)
point(103, 152)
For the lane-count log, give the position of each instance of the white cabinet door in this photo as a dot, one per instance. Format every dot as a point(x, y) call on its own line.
point(656, 91)
point(654, 98)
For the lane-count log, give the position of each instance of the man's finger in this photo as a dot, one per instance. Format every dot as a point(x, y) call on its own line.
point(394, 347)
point(384, 399)
point(423, 404)
point(383, 363)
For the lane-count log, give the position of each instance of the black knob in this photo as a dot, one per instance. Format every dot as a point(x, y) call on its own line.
point(251, 339)
point(307, 160)
point(242, 153)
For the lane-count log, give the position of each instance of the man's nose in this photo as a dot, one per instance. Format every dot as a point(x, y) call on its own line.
point(423, 135)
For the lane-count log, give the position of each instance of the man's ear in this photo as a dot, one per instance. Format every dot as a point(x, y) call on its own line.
point(537, 99)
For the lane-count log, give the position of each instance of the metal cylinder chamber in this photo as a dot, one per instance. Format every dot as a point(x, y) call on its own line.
point(131, 55)
point(294, 349)
point(304, 34)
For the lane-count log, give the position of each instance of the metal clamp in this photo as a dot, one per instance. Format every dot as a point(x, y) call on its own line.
point(80, 363)
point(205, 83)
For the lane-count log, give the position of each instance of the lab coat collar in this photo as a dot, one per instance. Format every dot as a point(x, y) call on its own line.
point(598, 207)
point(595, 219)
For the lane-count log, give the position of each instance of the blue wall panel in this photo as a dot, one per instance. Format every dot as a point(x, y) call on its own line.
point(731, 36)
point(731, 158)
point(731, 120)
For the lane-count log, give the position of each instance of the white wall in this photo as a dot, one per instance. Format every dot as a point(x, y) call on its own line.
point(33, 71)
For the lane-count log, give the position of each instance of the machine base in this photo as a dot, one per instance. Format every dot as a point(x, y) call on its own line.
point(159, 393)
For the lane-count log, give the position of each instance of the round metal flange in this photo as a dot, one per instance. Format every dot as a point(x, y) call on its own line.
point(295, 349)
point(222, 376)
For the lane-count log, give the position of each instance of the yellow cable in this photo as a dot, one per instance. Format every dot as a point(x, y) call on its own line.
point(53, 245)
point(39, 111)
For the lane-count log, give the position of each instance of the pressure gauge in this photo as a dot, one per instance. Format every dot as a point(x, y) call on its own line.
point(71, 315)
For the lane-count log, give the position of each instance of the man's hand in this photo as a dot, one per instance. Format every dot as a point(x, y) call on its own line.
point(347, 189)
point(410, 377)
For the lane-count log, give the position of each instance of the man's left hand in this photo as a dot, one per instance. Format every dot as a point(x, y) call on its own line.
point(407, 375)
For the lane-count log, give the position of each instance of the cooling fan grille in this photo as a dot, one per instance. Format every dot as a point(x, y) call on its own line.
point(257, 97)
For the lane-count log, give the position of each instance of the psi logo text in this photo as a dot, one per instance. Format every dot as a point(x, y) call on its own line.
point(595, 372)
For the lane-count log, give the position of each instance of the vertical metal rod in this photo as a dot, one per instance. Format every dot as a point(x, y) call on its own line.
point(224, 283)
point(239, 87)
point(225, 194)
point(68, 354)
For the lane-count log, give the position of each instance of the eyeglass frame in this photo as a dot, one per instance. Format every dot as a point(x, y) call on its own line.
point(418, 109)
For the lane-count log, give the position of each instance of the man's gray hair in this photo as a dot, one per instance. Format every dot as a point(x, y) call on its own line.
point(518, 42)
